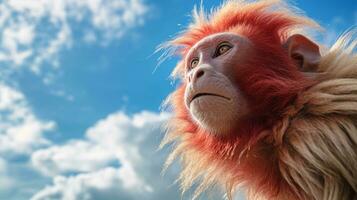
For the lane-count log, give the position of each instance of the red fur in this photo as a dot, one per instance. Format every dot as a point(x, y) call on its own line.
point(269, 80)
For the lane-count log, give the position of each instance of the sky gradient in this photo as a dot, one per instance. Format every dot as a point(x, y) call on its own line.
point(80, 94)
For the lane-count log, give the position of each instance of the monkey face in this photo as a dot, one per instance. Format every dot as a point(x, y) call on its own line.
point(212, 95)
point(214, 77)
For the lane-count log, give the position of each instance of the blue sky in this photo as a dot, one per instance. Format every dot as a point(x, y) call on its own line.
point(80, 97)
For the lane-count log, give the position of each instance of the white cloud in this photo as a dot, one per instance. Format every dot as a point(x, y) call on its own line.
point(5, 181)
point(117, 159)
point(36, 31)
point(58, 92)
point(3, 165)
point(89, 37)
point(102, 184)
point(75, 156)
point(21, 131)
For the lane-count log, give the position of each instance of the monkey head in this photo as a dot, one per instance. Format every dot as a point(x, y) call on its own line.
point(214, 73)
point(259, 106)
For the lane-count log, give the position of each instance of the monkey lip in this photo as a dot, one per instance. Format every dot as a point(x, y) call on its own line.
point(208, 94)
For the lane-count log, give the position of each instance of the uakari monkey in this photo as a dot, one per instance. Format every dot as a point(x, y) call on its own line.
point(260, 107)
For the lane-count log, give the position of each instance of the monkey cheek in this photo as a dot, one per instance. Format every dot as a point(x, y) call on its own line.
point(215, 114)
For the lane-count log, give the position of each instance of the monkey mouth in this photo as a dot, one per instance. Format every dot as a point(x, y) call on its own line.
point(208, 94)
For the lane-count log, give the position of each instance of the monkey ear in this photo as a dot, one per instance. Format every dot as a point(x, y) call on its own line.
point(304, 52)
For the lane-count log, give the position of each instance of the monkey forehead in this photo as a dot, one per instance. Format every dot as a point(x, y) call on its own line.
point(213, 39)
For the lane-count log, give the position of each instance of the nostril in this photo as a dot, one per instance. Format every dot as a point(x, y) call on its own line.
point(199, 74)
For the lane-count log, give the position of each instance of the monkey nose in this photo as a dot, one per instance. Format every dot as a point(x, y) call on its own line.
point(197, 75)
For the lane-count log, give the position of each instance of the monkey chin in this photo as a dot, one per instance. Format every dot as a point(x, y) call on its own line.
point(216, 114)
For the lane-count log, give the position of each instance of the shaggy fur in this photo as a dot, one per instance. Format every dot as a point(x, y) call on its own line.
point(307, 149)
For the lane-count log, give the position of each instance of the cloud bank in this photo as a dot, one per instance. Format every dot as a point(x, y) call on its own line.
point(34, 32)
point(21, 132)
point(117, 159)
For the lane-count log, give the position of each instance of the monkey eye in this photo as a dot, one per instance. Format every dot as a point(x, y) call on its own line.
point(194, 63)
point(222, 48)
